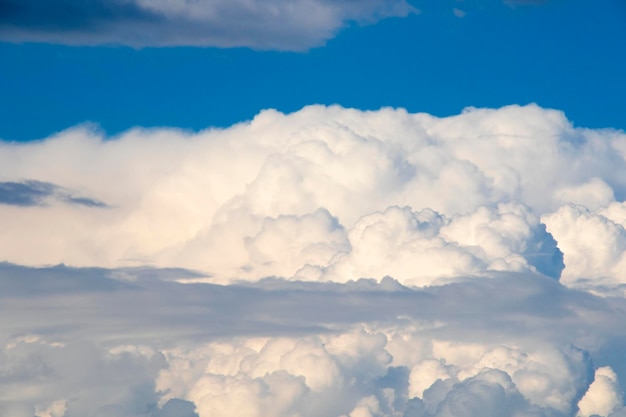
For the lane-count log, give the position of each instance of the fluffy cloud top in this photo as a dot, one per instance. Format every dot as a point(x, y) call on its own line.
point(329, 193)
point(275, 24)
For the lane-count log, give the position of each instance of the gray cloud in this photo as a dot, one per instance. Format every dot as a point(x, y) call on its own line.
point(275, 24)
point(94, 341)
point(27, 193)
point(38, 193)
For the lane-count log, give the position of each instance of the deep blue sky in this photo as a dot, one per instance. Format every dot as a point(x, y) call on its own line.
point(569, 55)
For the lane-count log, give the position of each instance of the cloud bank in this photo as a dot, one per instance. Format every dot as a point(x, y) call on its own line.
point(275, 24)
point(335, 194)
point(329, 262)
point(117, 343)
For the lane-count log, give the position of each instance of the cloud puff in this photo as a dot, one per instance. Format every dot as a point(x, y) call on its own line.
point(603, 396)
point(276, 24)
point(594, 244)
point(352, 373)
point(328, 193)
point(419, 247)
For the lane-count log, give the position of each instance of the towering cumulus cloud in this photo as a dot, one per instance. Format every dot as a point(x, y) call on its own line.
point(329, 193)
point(330, 262)
point(263, 24)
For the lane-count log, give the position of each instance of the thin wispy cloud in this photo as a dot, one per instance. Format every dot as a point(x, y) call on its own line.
point(39, 193)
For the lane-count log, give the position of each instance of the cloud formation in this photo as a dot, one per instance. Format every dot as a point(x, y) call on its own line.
point(126, 343)
point(275, 24)
point(337, 194)
point(329, 262)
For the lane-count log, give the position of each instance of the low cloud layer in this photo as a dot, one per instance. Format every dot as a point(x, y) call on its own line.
point(275, 24)
point(329, 262)
point(121, 343)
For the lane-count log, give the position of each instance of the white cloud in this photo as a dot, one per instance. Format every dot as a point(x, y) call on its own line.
point(323, 193)
point(380, 264)
point(603, 396)
point(594, 246)
point(417, 248)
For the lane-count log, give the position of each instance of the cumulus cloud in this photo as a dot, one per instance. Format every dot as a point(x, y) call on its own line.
point(276, 24)
point(603, 396)
point(418, 248)
point(329, 262)
point(522, 345)
point(594, 243)
point(329, 193)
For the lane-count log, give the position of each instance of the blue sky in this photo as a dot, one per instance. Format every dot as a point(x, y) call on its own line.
point(560, 54)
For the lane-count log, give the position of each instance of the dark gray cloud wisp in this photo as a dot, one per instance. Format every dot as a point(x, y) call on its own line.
point(273, 24)
point(38, 193)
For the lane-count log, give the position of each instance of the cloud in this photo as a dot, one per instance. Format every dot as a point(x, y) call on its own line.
point(458, 12)
point(604, 395)
point(329, 262)
point(419, 247)
point(594, 243)
point(35, 193)
point(276, 24)
point(158, 347)
point(327, 193)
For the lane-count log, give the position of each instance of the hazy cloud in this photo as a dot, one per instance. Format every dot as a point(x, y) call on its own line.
point(458, 12)
point(276, 24)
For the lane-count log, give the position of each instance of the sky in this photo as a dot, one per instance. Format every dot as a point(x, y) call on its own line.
point(312, 208)
point(558, 54)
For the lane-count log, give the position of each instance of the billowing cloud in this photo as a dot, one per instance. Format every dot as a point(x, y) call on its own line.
point(329, 262)
point(594, 243)
point(106, 343)
point(275, 24)
point(604, 395)
point(329, 193)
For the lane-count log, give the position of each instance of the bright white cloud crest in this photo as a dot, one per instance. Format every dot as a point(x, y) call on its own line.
point(495, 226)
point(332, 194)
